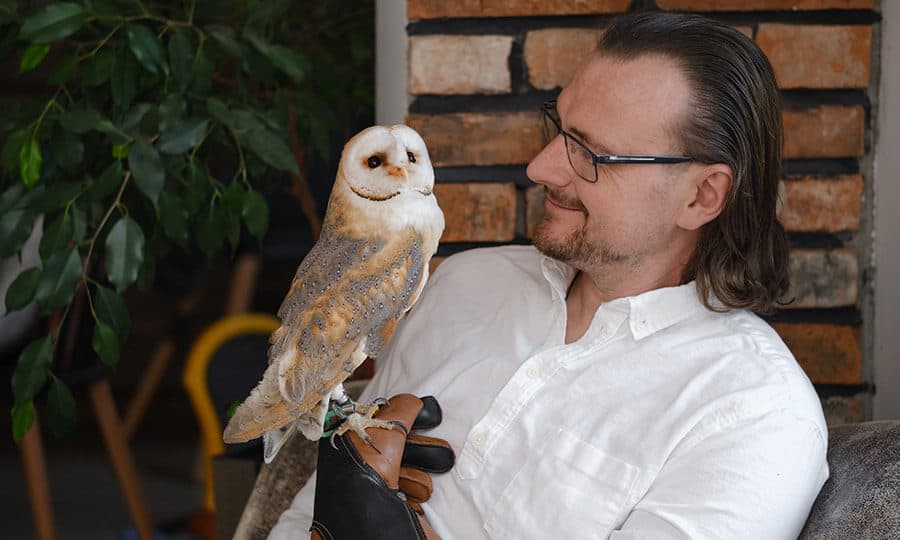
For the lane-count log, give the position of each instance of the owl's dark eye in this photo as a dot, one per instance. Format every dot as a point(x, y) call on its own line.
point(373, 162)
point(411, 157)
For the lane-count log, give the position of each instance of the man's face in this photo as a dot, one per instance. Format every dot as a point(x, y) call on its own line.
point(622, 107)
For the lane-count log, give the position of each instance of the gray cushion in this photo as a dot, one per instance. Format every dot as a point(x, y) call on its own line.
point(861, 498)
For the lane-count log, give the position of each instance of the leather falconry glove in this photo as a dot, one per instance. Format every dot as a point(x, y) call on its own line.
point(371, 492)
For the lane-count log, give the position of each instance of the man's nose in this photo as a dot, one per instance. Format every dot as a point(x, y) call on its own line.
point(551, 165)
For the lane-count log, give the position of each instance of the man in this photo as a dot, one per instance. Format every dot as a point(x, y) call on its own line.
point(613, 381)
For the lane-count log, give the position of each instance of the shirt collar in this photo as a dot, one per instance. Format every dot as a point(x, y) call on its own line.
point(648, 312)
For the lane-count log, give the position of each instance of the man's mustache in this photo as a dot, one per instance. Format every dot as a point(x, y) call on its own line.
point(559, 198)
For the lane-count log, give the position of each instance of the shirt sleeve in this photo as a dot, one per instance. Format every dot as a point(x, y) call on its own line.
point(756, 479)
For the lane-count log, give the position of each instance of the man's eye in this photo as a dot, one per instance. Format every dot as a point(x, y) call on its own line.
point(411, 157)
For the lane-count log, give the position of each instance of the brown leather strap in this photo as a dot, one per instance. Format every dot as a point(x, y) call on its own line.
point(389, 442)
point(416, 484)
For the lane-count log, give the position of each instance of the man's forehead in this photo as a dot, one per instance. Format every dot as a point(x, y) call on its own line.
point(648, 89)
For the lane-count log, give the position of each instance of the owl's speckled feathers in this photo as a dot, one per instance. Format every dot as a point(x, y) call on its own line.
point(364, 273)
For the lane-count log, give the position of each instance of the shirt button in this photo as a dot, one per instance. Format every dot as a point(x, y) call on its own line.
point(479, 439)
point(533, 373)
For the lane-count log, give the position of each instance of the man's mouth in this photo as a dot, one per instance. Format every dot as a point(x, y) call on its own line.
point(572, 205)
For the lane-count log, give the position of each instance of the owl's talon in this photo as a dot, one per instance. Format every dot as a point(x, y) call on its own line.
point(381, 402)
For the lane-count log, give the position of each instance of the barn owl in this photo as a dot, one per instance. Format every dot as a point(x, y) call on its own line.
point(365, 272)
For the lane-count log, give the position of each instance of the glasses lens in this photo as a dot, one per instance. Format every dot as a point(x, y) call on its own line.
point(550, 128)
point(581, 160)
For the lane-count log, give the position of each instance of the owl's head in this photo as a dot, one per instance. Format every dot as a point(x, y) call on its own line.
point(381, 163)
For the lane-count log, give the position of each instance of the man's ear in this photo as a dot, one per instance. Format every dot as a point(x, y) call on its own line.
point(711, 188)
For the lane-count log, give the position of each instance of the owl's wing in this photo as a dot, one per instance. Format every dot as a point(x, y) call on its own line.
point(342, 307)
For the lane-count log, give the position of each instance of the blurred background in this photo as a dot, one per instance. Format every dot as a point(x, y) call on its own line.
point(222, 125)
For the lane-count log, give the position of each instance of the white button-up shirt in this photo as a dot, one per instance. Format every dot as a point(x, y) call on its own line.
point(665, 420)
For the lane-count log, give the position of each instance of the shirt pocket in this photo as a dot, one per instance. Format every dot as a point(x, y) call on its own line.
point(569, 490)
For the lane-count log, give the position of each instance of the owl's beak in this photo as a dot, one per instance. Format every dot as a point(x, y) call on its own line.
point(398, 172)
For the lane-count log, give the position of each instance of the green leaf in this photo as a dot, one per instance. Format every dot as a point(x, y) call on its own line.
point(174, 217)
point(124, 252)
point(225, 38)
point(111, 309)
point(181, 58)
point(64, 70)
point(45, 199)
point(108, 183)
point(210, 231)
point(53, 22)
point(15, 228)
point(80, 120)
point(204, 67)
point(31, 370)
point(255, 214)
point(59, 277)
point(220, 111)
point(68, 149)
point(146, 49)
point(121, 151)
point(22, 419)
point(171, 110)
point(123, 79)
point(105, 343)
point(13, 197)
point(272, 149)
point(56, 236)
point(232, 409)
point(60, 408)
point(131, 122)
point(8, 11)
point(99, 68)
point(11, 148)
point(147, 168)
point(183, 136)
point(30, 160)
point(288, 61)
point(21, 290)
point(33, 56)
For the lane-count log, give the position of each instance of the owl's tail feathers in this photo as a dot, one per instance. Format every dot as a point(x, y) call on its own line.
point(254, 418)
point(274, 440)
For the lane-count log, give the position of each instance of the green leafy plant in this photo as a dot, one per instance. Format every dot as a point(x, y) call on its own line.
point(160, 128)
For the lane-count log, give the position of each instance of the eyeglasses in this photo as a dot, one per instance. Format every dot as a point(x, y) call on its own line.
point(582, 159)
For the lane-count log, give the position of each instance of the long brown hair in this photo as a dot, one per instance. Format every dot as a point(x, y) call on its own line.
point(734, 118)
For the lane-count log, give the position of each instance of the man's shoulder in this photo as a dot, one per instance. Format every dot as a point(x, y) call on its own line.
point(757, 363)
point(513, 261)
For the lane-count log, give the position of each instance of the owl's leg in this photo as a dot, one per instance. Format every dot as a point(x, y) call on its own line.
point(360, 418)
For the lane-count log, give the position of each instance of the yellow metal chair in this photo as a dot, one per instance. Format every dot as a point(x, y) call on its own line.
point(224, 363)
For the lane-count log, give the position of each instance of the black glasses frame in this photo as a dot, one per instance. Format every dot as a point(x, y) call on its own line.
point(550, 113)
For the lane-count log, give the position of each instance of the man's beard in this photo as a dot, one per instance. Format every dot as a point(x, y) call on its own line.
point(576, 248)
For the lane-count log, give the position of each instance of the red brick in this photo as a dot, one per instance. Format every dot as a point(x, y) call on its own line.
point(480, 139)
point(842, 410)
point(553, 54)
point(826, 204)
point(534, 208)
point(829, 353)
point(434, 9)
point(450, 64)
point(478, 212)
point(434, 263)
point(827, 131)
point(818, 56)
point(753, 5)
point(823, 278)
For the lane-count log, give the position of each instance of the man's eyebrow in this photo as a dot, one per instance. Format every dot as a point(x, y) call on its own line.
point(590, 142)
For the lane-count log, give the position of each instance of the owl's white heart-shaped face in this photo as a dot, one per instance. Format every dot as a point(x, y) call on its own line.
point(381, 163)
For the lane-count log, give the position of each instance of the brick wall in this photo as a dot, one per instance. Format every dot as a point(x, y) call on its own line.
point(478, 69)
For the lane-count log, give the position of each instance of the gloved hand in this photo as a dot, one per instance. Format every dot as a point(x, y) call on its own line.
point(364, 493)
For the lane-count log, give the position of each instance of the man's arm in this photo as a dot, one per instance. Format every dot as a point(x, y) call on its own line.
point(755, 479)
